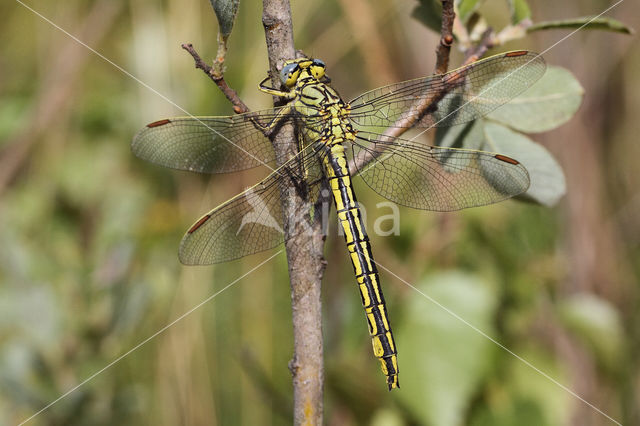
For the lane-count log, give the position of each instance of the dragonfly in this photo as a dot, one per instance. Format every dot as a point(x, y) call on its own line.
point(337, 141)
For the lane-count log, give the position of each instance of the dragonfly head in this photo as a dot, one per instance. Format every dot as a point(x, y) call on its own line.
point(293, 69)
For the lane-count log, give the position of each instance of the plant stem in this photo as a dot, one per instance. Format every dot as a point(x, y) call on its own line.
point(446, 37)
point(238, 106)
point(304, 244)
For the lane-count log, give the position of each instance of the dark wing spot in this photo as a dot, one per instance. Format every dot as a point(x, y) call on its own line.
point(507, 159)
point(198, 224)
point(515, 53)
point(159, 123)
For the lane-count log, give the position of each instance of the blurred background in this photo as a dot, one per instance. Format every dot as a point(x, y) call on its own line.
point(89, 235)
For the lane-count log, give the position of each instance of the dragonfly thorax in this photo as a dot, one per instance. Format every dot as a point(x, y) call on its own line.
point(327, 115)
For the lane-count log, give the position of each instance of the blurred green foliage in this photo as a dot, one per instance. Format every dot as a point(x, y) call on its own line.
point(88, 264)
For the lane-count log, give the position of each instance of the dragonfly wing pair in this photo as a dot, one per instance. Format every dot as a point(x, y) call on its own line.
point(406, 172)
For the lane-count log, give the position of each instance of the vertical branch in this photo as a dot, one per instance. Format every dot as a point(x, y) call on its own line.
point(304, 246)
point(446, 37)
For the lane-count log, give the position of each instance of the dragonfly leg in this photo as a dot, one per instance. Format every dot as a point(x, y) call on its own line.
point(270, 90)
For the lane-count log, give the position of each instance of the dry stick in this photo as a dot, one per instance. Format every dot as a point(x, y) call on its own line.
point(486, 42)
point(303, 243)
point(238, 106)
point(446, 37)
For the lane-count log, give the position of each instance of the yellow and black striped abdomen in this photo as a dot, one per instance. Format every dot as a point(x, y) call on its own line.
point(384, 347)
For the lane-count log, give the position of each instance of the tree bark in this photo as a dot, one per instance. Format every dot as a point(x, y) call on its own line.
point(304, 244)
point(446, 37)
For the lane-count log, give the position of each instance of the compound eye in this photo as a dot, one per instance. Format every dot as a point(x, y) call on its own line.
point(317, 68)
point(289, 74)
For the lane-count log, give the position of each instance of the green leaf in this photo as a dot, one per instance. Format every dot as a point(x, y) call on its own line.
point(466, 8)
point(597, 322)
point(429, 12)
point(547, 178)
point(444, 359)
point(226, 11)
point(586, 22)
point(519, 11)
point(550, 102)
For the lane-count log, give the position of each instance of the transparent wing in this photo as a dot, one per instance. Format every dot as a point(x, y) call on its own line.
point(436, 178)
point(253, 220)
point(456, 97)
point(209, 144)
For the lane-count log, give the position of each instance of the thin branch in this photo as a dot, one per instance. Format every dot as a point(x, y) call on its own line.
point(476, 52)
point(218, 78)
point(304, 244)
point(423, 106)
point(404, 123)
point(446, 37)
